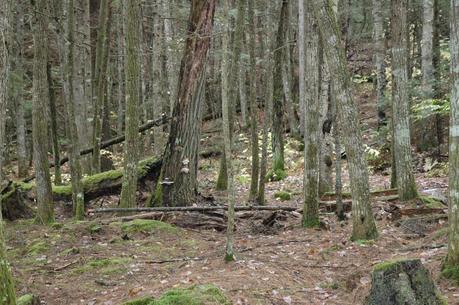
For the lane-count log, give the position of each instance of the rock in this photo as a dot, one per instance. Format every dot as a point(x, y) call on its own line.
point(403, 282)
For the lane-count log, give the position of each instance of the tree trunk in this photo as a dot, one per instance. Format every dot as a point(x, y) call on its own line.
point(7, 292)
point(452, 260)
point(427, 48)
point(72, 131)
point(99, 80)
point(379, 57)
point(363, 221)
point(53, 118)
point(255, 170)
point(179, 171)
point(400, 99)
point(131, 147)
point(278, 166)
point(39, 113)
point(311, 123)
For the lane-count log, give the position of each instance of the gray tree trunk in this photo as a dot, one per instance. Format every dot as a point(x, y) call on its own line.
point(362, 217)
point(132, 69)
point(401, 103)
point(45, 213)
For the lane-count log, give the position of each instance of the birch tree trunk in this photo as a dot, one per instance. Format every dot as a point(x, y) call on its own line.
point(7, 291)
point(311, 122)
point(427, 48)
point(131, 147)
point(178, 183)
point(45, 213)
point(364, 226)
point(400, 99)
point(452, 260)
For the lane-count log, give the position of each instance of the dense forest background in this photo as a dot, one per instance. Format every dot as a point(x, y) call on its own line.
point(234, 151)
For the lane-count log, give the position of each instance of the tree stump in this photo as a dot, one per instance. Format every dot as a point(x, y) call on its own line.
point(404, 282)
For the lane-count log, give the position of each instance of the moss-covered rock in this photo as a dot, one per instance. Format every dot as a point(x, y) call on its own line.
point(401, 282)
point(283, 195)
point(28, 299)
point(146, 225)
point(195, 295)
point(431, 202)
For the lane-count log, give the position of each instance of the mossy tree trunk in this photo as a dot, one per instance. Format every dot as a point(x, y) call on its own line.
point(7, 292)
point(179, 170)
point(72, 131)
point(45, 213)
point(400, 99)
point(453, 216)
point(364, 226)
point(311, 122)
point(255, 169)
point(229, 255)
point(131, 147)
point(278, 166)
point(99, 80)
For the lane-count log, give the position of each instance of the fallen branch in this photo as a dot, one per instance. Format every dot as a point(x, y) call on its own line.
point(174, 260)
point(150, 124)
point(66, 265)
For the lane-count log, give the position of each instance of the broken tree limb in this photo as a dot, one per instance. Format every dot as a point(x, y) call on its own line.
point(196, 209)
point(150, 124)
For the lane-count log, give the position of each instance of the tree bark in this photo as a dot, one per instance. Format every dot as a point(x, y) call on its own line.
point(179, 171)
point(453, 215)
point(362, 218)
point(131, 148)
point(400, 99)
point(7, 291)
point(39, 105)
point(311, 123)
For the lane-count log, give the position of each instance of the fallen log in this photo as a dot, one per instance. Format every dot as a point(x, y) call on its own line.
point(377, 193)
point(195, 209)
point(150, 124)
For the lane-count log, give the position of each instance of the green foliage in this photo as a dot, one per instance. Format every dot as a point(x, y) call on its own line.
point(26, 299)
point(140, 301)
point(276, 175)
point(145, 225)
point(283, 195)
point(104, 265)
point(451, 272)
point(37, 247)
point(428, 107)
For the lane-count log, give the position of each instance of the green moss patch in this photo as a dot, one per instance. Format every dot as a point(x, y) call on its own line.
point(283, 195)
point(27, 299)
point(276, 175)
point(37, 247)
point(386, 265)
point(195, 295)
point(431, 202)
point(105, 265)
point(145, 225)
point(451, 273)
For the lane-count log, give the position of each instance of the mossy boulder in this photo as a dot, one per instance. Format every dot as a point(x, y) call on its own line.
point(146, 225)
point(195, 295)
point(402, 282)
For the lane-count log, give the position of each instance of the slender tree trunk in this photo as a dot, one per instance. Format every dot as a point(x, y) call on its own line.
point(268, 97)
point(242, 81)
point(427, 48)
point(400, 98)
point(99, 81)
point(54, 132)
point(312, 131)
point(229, 255)
point(364, 226)
point(452, 260)
point(7, 292)
point(72, 131)
point(131, 147)
point(45, 213)
point(253, 106)
point(379, 55)
point(178, 184)
point(278, 166)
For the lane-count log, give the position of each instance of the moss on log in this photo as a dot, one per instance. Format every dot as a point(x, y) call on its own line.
point(403, 282)
point(17, 196)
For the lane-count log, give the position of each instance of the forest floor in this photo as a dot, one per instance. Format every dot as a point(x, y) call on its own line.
point(278, 262)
